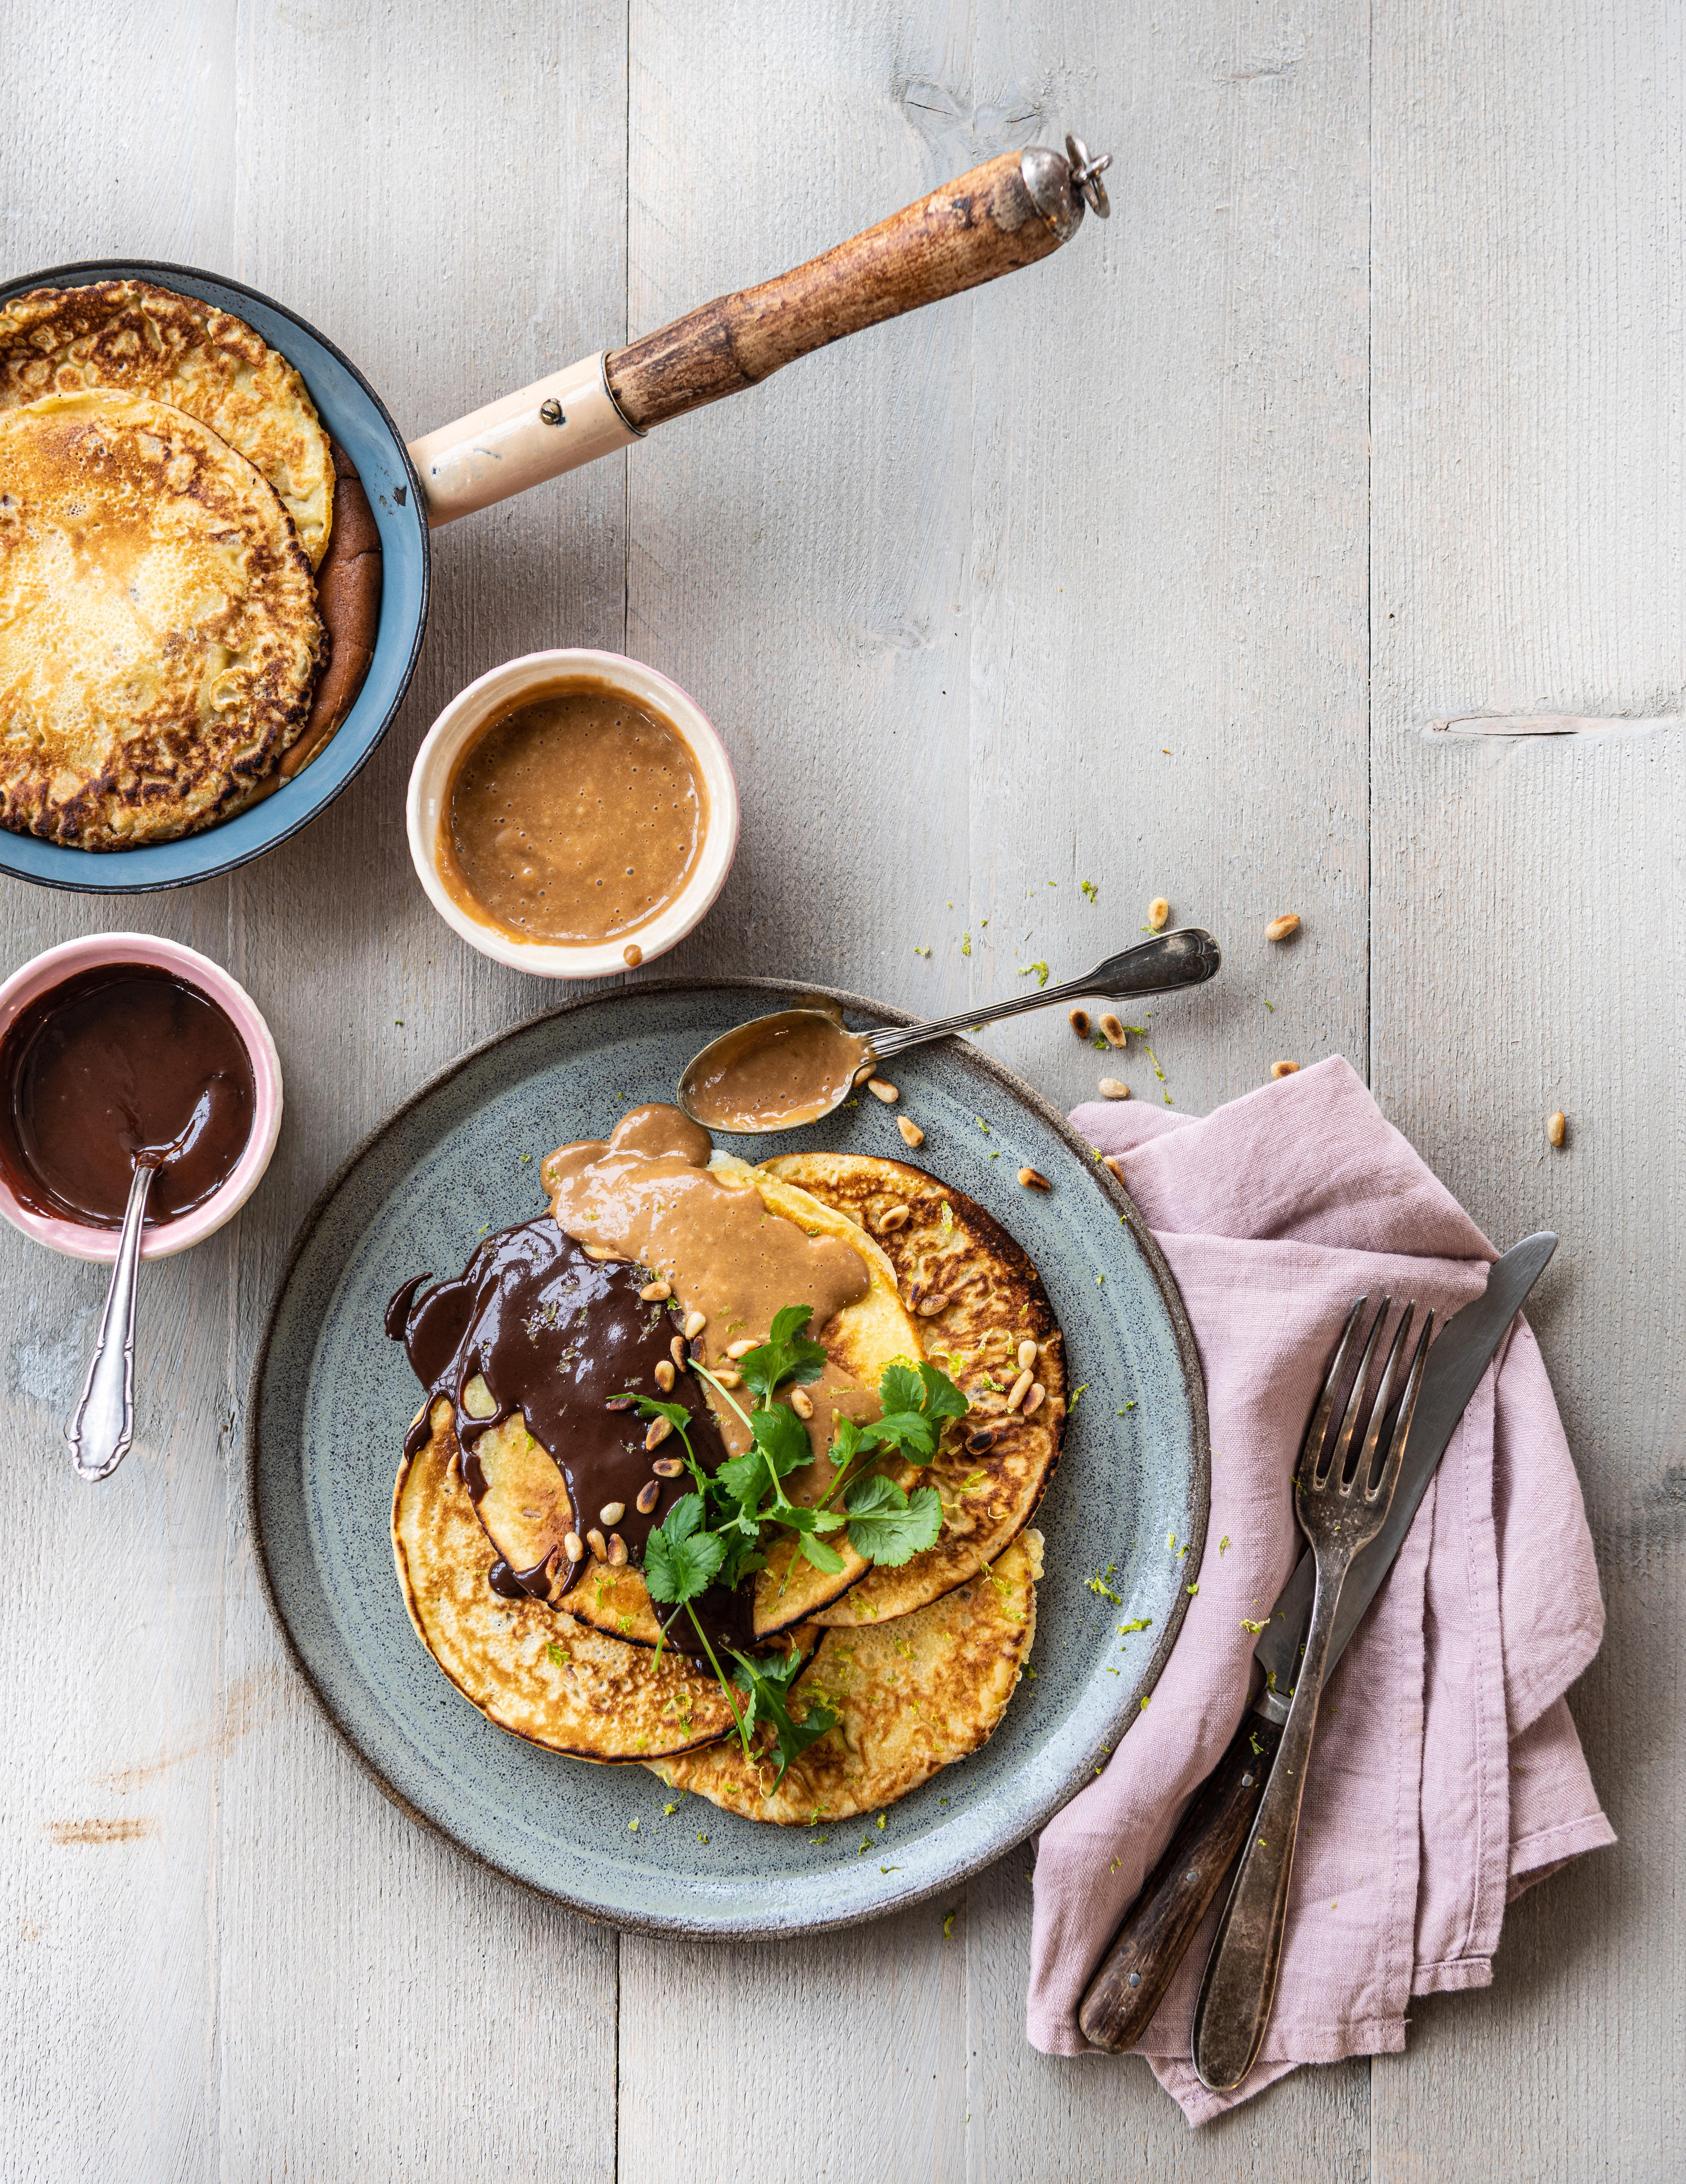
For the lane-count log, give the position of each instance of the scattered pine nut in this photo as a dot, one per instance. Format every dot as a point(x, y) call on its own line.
point(648, 1495)
point(612, 1512)
point(667, 1467)
point(598, 1545)
point(882, 1089)
point(897, 1217)
point(802, 1402)
point(656, 1292)
point(1079, 1022)
point(1557, 1129)
point(617, 1550)
point(981, 1439)
point(1113, 1031)
point(930, 1305)
point(1019, 1390)
point(573, 1546)
point(1158, 913)
point(664, 1374)
point(659, 1430)
point(681, 1355)
point(1027, 1354)
point(728, 1379)
point(1114, 1088)
point(603, 1258)
point(1033, 1402)
point(1282, 927)
point(1032, 1181)
point(1284, 1069)
point(694, 1323)
point(741, 1349)
point(910, 1130)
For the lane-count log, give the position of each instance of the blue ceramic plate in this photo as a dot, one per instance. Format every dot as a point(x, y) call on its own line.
point(331, 1399)
point(352, 411)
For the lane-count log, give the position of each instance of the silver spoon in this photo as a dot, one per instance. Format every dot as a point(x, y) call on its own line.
point(1163, 965)
point(103, 1426)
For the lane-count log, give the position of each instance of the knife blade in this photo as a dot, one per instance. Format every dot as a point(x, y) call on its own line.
point(1455, 1364)
point(1136, 1969)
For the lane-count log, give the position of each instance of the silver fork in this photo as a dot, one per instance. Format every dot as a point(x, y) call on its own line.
point(1340, 1506)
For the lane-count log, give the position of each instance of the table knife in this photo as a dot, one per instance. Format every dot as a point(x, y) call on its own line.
point(1133, 1976)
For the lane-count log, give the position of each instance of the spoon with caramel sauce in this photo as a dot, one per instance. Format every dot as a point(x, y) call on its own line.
point(780, 1071)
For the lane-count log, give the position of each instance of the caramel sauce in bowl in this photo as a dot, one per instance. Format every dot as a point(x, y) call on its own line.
point(573, 814)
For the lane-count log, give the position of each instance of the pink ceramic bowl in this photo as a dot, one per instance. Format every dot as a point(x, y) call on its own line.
point(99, 949)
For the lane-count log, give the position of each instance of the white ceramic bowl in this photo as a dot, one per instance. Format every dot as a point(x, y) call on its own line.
point(498, 692)
point(96, 953)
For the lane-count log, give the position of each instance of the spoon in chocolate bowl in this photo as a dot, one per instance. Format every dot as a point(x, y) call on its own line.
point(781, 1072)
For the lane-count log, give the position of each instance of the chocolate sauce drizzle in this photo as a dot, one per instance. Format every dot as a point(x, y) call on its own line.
point(556, 1336)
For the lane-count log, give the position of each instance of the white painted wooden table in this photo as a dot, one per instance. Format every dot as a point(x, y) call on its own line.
point(1149, 567)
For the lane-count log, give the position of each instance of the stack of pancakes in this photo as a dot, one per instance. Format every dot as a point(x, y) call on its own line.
point(917, 1661)
point(168, 541)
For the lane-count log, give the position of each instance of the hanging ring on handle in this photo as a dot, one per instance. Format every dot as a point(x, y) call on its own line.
point(1085, 176)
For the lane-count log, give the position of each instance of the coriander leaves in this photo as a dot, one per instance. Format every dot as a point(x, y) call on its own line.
point(768, 1685)
point(681, 1560)
point(888, 1526)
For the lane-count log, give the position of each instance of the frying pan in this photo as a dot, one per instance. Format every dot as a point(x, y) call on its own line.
point(1010, 212)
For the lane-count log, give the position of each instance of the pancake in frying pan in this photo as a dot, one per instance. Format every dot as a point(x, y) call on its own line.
point(160, 639)
point(911, 1696)
point(138, 339)
point(979, 1299)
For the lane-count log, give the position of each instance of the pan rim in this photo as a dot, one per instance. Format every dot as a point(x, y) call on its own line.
point(105, 866)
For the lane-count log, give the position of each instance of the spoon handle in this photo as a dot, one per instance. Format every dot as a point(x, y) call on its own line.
point(1168, 960)
point(100, 1432)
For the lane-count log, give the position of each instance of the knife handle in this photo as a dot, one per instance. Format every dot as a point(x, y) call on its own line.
point(1158, 1926)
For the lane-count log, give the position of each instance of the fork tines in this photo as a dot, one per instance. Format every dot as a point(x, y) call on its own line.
point(1383, 1445)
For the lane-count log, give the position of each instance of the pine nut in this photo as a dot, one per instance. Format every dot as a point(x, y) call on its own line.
point(656, 1292)
point(881, 1088)
point(1032, 1181)
point(1079, 1019)
point(728, 1379)
point(742, 1349)
point(1284, 1069)
point(594, 1541)
point(1113, 1031)
point(612, 1512)
point(573, 1546)
point(981, 1439)
point(1280, 928)
point(681, 1355)
point(1027, 1354)
point(694, 1323)
point(1158, 913)
point(664, 1374)
point(603, 1258)
point(667, 1467)
point(910, 1129)
point(1557, 1129)
point(617, 1550)
point(648, 1495)
point(930, 1306)
point(802, 1402)
point(477, 1399)
point(1114, 1088)
point(898, 1217)
point(1020, 1389)
point(659, 1430)
point(1033, 1402)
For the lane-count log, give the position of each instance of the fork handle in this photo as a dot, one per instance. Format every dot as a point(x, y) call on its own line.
point(1239, 1983)
point(1144, 1953)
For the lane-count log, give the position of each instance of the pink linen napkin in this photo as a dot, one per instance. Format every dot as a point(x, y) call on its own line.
point(1448, 1776)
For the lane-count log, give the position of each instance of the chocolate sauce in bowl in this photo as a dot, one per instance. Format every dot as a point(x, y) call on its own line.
point(557, 1336)
point(110, 1064)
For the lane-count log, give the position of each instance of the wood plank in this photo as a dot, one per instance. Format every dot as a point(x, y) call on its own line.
point(947, 590)
point(1530, 558)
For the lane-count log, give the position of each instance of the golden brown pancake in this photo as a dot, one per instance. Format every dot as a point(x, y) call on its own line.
point(159, 634)
point(535, 1673)
point(949, 1247)
point(911, 1695)
point(137, 339)
point(861, 1341)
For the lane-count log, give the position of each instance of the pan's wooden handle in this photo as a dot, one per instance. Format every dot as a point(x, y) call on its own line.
point(1160, 1925)
point(1010, 212)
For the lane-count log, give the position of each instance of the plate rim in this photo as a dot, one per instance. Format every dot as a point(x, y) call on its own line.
point(705, 1929)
